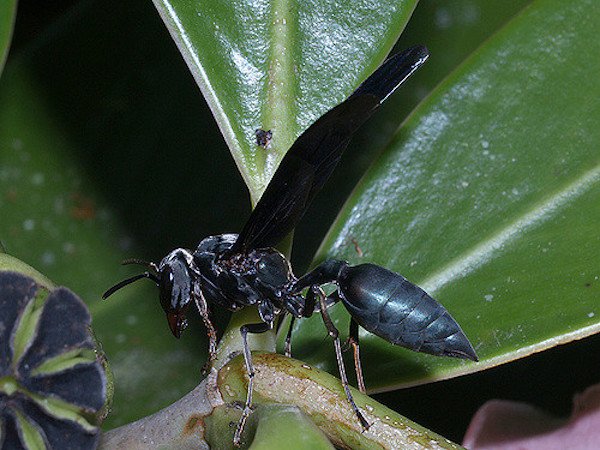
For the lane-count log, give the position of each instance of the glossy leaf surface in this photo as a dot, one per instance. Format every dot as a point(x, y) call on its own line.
point(278, 65)
point(451, 31)
point(489, 198)
point(8, 9)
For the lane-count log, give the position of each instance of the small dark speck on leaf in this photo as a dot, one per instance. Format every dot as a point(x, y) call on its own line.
point(357, 247)
point(263, 138)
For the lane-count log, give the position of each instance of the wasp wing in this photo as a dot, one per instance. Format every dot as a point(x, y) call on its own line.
point(311, 159)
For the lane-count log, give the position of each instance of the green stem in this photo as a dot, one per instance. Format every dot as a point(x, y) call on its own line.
point(280, 425)
point(321, 397)
point(231, 343)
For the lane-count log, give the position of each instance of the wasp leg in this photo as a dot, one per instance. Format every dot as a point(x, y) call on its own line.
point(334, 333)
point(254, 328)
point(288, 339)
point(202, 306)
point(353, 341)
point(309, 308)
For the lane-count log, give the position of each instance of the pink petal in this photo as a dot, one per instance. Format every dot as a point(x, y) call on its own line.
point(504, 425)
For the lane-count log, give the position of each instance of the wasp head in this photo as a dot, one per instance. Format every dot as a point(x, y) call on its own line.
point(175, 274)
point(174, 278)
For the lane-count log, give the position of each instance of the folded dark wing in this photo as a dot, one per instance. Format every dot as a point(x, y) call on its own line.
point(311, 159)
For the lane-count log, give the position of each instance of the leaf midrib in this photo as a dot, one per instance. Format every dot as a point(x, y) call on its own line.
point(278, 112)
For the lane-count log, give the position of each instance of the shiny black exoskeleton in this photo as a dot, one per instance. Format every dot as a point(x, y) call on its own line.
point(235, 271)
point(391, 307)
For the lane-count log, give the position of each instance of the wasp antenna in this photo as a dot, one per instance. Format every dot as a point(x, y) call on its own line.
point(124, 283)
point(138, 261)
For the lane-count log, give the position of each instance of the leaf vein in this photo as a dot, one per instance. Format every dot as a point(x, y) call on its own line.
point(482, 253)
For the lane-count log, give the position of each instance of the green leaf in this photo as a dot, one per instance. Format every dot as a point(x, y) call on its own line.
point(8, 10)
point(279, 65)
point(69, 115)
point(489, 197)
point(31, 432)
point(451, 31)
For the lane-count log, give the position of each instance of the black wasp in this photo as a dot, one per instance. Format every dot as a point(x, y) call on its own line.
point(235, 271)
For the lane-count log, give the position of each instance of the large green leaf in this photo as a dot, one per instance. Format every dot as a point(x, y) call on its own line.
point(489, 198)
point(8, 9)
point(84, 124)
point(451, 31)
point(278, 65)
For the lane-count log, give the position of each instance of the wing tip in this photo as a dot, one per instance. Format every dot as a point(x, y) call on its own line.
point(419, 53)
point(393, 72)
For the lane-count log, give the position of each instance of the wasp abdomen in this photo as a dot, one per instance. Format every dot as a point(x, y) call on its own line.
point(391, 307)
